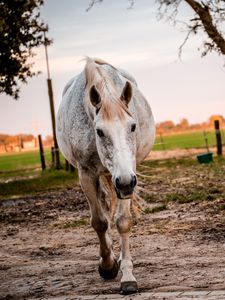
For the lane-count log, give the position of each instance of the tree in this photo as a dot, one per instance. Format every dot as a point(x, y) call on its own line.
point(183, 125)
point(208, 17)
point(165, 126)
point(21, 30)
point(214, 118)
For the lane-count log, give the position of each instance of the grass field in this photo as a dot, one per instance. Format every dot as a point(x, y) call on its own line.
point(35, 182)
point(31, 160)
point(24, 160)
point(185, 141)
point(20, 175)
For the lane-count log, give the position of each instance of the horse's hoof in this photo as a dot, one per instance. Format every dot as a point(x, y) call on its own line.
point(109, 273)
point(128, 287)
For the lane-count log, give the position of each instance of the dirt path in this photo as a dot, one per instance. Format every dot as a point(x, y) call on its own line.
point(49, 249)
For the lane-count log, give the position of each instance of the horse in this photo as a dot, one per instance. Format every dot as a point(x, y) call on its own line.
point(105, 127)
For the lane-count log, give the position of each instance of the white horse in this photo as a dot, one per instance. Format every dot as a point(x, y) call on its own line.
point(105, 127)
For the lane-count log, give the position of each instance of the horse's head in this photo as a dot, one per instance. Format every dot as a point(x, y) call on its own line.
point(115, 138)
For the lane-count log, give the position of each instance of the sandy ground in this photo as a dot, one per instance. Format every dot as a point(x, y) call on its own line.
point(49, 249)
point(178, 153)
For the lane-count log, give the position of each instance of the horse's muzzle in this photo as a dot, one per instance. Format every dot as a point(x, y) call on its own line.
point(125, 190)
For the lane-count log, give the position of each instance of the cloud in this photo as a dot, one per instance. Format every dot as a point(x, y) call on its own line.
point(119, 59)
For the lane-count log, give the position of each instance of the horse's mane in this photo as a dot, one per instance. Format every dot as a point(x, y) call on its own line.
point(110, 96)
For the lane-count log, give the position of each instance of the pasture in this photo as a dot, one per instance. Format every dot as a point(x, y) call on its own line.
point(185, 140)
point(22, 160)
point(49, 249)
point(31, 160)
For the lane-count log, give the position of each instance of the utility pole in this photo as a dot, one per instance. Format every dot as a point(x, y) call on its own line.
point(52, 109)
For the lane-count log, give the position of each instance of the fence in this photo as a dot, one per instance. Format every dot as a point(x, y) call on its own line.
point(197, 140)
point(23, 160)
point(191, 140)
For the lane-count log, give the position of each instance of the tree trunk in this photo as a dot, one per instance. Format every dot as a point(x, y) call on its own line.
point(204, 14)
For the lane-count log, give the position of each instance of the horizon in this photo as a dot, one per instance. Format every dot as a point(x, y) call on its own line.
point(131, 39)
point(157, 124)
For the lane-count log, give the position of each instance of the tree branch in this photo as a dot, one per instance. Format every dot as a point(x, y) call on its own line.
point(92, 3)
point(183, 43)
point(202, 10)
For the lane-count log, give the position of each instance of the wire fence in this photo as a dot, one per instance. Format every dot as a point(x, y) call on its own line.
point(198, 140)
point(201, 139)
point(23, 160)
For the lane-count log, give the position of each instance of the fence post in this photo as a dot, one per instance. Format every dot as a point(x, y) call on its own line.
point(162, 141)
point(223, 137)
point(72, 169)
point(218, 137)
point(206, 141)
point(53, 156)
point(43, 165)
point(67, 165)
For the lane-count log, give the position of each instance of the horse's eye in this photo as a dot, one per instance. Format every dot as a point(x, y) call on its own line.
point(99, 132)
point(133, 127)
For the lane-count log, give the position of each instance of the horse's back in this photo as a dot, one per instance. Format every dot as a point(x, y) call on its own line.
point(69, 84)
point(75, 133)
point(127, 75)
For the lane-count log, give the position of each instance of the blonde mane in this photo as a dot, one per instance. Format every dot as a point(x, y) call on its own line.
point(96, 75)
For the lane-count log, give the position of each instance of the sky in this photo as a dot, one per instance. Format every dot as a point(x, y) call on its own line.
point(132, 39)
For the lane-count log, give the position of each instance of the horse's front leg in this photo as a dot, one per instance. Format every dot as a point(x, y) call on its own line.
point(108, 266)
point(123, 222)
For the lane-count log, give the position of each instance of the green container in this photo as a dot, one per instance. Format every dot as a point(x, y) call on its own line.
point(205, 158)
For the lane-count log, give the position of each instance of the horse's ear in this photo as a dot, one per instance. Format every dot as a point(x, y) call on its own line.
point(126, 93)
point(95, 97)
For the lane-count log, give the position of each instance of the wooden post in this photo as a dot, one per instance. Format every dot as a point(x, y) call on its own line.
point(218, 137)
point(223, 137)
point(206, 141)
point(53, 156)
point(72, 169)
point(67, 165)
point(162, 142)
point(42, 156)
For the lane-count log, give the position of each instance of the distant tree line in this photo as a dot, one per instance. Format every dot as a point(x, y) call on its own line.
point(162, 127)
point(170, 127)
point(19, 140)
point(7, 139)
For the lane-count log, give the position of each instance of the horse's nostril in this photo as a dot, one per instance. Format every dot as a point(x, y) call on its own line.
point(125, 185)
point(133, 181)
